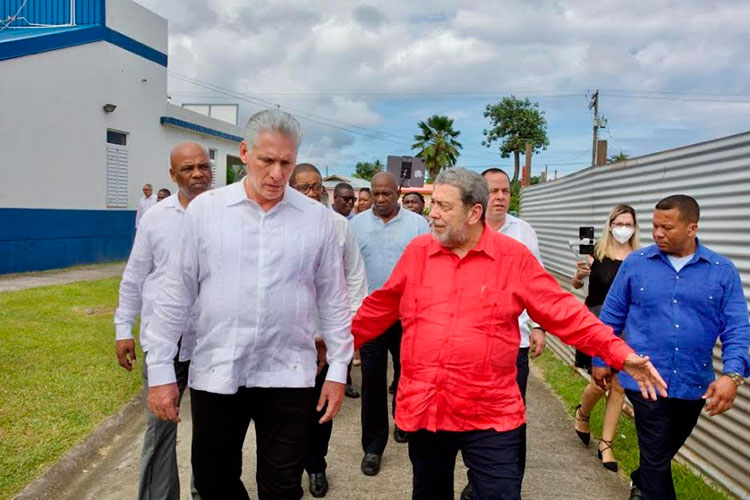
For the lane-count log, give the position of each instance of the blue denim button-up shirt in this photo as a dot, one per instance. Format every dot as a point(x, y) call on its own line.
point(675, 318)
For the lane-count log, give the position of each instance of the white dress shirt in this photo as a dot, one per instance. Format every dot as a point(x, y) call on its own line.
point(522, 231)
point(354, 264)
point(259, 278)
point(143, 205)
point(155, 241)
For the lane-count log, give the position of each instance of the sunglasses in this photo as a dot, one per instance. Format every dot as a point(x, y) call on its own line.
point(304, 188)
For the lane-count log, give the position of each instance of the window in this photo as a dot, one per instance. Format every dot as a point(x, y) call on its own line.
point(117, 169)
point(212, 159)
point(118, 138)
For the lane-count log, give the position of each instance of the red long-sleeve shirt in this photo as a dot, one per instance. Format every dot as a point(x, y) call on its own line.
point(460, 341)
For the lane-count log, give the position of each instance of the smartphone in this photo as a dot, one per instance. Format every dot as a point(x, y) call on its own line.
point(586, 233)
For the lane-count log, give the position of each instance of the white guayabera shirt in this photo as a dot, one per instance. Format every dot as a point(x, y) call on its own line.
point(143, 205)
point(354, 264)
point(260, 279)
point(520, 230)
point(157, 238)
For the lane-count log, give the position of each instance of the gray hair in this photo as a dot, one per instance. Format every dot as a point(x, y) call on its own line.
point(272, 120)
point(472, 186)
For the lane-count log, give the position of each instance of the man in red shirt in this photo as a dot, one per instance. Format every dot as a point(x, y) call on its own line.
point(459, 292)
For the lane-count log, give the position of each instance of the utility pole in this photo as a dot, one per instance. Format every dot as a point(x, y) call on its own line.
point(599, 122)
point(526, 178)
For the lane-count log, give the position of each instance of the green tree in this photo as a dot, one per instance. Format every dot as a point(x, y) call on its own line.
point(514, 123)
point(437, 144)
point(618, 157)
point(367, 170)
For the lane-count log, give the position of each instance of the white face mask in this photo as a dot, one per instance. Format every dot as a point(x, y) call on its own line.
point(622, 234)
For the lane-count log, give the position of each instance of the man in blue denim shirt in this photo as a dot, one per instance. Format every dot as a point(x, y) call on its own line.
point(673, 300)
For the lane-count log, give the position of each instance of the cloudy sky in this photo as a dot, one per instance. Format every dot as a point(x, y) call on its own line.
point(359, 76)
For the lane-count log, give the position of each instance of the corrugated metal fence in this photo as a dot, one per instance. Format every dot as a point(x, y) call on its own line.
point(717, 174)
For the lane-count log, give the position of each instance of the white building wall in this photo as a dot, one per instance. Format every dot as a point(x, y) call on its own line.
point(53, 129)
point(139, 23)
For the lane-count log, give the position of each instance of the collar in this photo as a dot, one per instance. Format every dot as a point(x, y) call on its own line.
point(173, 201)
point(399, 215)
point(486, 245)
point(701, 252)
point(236, 193)
point(509, 221)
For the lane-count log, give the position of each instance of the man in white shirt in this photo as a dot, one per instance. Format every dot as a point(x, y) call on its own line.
point(147, 201)
point(307, 180)
point(532, 336)
point(143, 277)
point(262, 261)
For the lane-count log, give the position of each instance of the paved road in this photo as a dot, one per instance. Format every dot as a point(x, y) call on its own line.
point(14, 282)
point(558, 466)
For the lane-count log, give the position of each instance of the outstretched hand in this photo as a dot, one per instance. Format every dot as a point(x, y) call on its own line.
point(649, 380)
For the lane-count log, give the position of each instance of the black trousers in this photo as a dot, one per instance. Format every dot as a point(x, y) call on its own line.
point(522, 371)
point(522, 378)
point(662, 427)
point(374, 355)
point(319, 434)
point(493, 458)
point(220, 422)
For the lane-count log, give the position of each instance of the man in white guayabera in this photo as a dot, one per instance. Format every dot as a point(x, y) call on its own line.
point(261, 260)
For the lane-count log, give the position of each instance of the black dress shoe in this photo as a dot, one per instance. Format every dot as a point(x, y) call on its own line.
point(400, 436)
point(468, 493)
point(371, 464)
point(318, 484)
point(351, 392)
point(635, 492)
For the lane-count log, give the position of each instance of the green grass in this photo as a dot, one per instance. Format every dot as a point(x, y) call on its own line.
point(569, 385)
point(59, 376)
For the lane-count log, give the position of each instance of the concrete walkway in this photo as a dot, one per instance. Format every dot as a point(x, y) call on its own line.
point(15, 282)
point(558, 465)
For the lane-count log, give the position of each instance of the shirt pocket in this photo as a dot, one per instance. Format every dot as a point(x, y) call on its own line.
point(707, 303)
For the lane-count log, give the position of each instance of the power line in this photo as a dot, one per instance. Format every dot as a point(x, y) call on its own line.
point(347, 127)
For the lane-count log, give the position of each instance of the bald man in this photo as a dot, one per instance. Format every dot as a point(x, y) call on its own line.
point(155, 240)
point(382, 234)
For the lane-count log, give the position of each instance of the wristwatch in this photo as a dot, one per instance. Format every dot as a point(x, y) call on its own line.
point(736, 378)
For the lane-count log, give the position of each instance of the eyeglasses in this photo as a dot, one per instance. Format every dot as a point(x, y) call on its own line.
point(351, 199)
point(304, 188)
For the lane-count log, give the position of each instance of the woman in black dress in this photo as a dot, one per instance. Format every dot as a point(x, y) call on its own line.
point(619, 238)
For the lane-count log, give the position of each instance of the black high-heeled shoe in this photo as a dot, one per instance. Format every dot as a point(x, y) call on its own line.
point(611, 466)
point(583, 436)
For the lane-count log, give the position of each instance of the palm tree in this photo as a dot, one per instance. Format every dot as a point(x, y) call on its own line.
point(618, 157)
point(437, 144)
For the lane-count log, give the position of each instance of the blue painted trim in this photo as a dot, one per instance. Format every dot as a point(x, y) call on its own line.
point(46, 42)
point(38, 239)
point(136, 47)
point(176, 122)
point(70, 37)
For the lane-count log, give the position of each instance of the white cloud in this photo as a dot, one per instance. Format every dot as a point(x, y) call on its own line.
point(299, 54)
